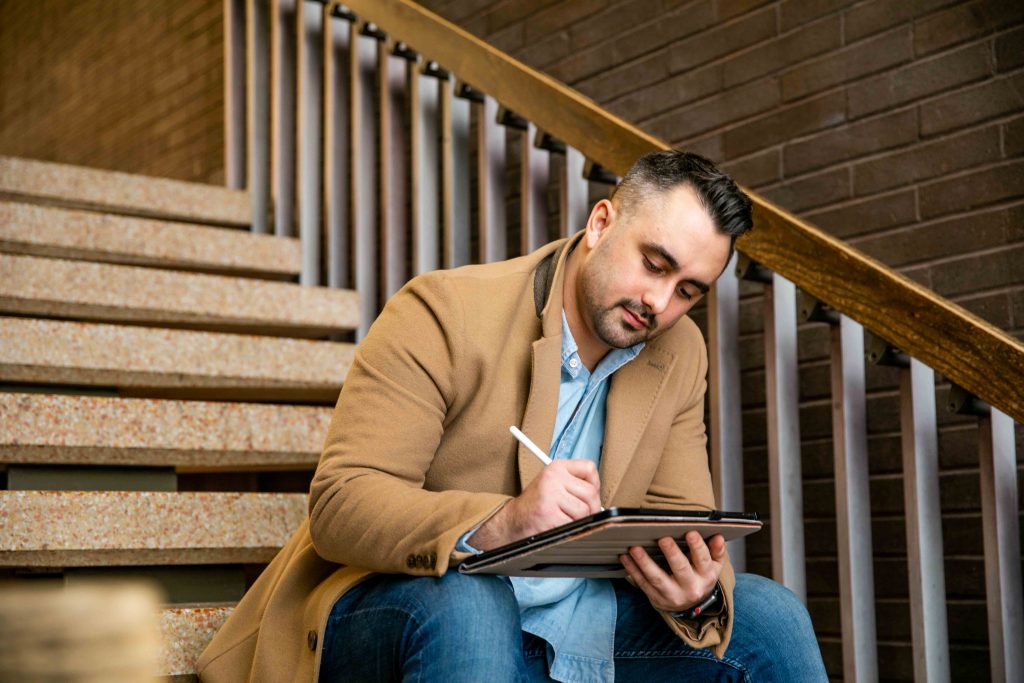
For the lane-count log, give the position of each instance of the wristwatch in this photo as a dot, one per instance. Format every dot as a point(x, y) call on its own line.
point(709, 604)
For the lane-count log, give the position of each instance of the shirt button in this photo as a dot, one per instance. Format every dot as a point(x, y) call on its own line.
point(574, 362)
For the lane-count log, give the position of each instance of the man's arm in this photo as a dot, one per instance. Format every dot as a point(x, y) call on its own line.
point(368, 507)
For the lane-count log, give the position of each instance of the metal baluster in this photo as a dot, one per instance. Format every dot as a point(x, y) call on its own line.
point(364, 189)
point(234, 94)
point(783, 403)
point(455, 175)
point(490, 182)
point(257, 37)
point(726, 414)
point(927, 576)
point(282, 83)
point(853, 506)
point(309, 165)
point(574, 202)
point(424, 95)
point(1001, 529)
point(337, 110)
point(394, 169)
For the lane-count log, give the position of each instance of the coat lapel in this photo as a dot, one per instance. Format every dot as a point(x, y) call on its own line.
point(636, 388)
point(541, 406)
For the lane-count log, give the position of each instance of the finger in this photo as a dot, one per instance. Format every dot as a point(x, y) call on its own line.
point(636, 577)
point(572, 506)
point(654, 575)
point(584, 490)
point(676, 558)
point(700, 556)
point(716, 545)
point(583, 469)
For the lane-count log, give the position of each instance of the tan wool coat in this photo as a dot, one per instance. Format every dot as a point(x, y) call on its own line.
point(418, 452)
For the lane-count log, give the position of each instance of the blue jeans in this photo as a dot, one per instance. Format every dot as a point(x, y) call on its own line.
point(460, 628)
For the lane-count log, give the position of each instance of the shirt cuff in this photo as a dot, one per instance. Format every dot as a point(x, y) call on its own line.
point(463, 545)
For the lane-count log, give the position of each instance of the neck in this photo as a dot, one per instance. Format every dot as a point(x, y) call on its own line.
point(589, 348)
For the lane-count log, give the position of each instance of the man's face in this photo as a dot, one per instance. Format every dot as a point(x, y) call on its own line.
point(648, 266)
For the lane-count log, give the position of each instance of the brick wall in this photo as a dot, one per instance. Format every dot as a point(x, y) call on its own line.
point(114, 84)
point(898, 126)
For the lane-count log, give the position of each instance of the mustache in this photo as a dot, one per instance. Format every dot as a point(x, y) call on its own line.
point(640, 311)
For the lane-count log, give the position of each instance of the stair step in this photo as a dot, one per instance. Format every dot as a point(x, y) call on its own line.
point(190, 436)
point(185, 631)
point(98, 291)
point(145, 361)
point(91, 236)
point(66, 185)
point(101, 528)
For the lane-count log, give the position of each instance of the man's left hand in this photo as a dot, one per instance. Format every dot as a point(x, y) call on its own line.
point(691, 579)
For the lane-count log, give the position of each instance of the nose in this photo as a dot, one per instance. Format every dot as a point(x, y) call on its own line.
point(657, 297)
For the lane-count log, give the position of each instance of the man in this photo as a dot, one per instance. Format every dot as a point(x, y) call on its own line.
point(586, 346)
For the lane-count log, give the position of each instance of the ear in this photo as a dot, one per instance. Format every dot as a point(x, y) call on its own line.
point(601, 218)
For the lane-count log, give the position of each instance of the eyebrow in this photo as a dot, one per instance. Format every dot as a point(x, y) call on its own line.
point(673, 265)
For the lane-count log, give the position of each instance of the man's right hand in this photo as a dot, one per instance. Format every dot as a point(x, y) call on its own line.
point(564, 491)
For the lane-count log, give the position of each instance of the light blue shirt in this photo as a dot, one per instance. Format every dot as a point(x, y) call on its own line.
point(576, 616)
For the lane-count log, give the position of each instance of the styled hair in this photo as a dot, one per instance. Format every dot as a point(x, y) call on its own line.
point(726, 204)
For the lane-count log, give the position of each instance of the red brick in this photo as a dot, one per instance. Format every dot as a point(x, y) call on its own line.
point(669, 93)
point(862, 59)
point(796, 12)
point(635, 42)
point(503, 14)
point(850, 142)
point(680, 124)
point(920, 79)
point(625, 79)
point(867, 215)
point(961, 108)
point(871, 17)
point(992, 308)
point(540, 53)
point(926, 161)
point(783, 51)
point(709, 147)
point(560, 15)
point(755, 170)
point(1018, 314)
point(937, 239)
point(785, 123)
point(963, 22)
point(1010, 50)
point(722, 40)
point(727, 9)
point(975, 189)
point(1013, 137)
point(609, 22)
point(812, 191)
point(979, 272)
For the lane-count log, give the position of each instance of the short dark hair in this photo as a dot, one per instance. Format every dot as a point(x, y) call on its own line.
point(728, 206)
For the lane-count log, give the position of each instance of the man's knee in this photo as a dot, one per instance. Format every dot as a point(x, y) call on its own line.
point(769, 602)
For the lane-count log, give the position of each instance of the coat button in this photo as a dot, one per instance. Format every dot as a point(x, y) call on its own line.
point(311, 640)
point(410, 562)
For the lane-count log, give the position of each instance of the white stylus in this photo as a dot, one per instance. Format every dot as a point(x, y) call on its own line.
point(525, 440)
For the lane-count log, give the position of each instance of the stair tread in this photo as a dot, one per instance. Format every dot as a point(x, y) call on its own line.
point(98, 291)
point(189, 435)
point(185, 632)
point(89, 235)
point(58, 352)
point(91, 528)
point(66, 184)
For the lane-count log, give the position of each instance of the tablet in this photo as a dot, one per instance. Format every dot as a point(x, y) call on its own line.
point(590, 547)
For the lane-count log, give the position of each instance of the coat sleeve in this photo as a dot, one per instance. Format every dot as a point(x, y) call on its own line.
point(683, 480)
point(368, 507)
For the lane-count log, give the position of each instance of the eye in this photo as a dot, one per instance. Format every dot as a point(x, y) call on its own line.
point(651, 266)
point(685, 294)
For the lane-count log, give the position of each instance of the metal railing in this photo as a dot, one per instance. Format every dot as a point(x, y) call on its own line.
point(363, 147)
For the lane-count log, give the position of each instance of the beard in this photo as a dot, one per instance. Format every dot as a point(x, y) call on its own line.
point(606, 320)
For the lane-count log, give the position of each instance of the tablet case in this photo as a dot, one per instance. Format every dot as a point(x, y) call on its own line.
point(590, 547)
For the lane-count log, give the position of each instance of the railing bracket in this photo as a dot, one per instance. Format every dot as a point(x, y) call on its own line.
point(597, 173)
point(508, 118)
point(963, 402)
point(468, 92)
point(880, 352)
point(549, 142)
point(814, 310)
point(749, 269)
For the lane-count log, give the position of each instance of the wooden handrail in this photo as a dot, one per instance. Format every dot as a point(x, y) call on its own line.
point(965, 349)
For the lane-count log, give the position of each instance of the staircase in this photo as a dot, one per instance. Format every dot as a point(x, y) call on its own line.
point(159, 368)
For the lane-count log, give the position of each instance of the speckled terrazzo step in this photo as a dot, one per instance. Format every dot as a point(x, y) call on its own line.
point(137, 195)
point(188, 435)
point(91, 236)
point(103, 292)
point(119, 528)
point(171, 363)
point(185, 631)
